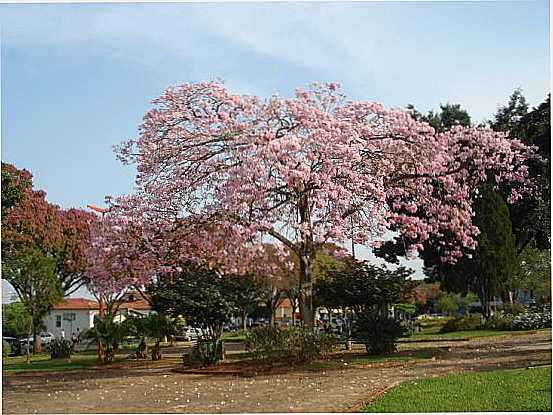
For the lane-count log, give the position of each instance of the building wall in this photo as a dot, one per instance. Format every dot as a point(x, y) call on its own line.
point(283, 312)
point(84, 320)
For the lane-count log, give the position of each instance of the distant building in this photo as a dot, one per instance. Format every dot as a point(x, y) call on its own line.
point(132, 303)
point(78, 313)
point(69, 315)
point(284, 311)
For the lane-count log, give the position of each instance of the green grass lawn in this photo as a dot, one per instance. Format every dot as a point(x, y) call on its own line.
point(42, 362)
point(501, 390)
point(234, 336)
point(434, 335)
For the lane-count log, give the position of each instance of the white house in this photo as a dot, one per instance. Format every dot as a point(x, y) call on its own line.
point(133, 303)
point(76, 315)
point(72, 315)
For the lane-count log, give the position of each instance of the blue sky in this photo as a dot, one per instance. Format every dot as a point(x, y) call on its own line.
point(77, 79)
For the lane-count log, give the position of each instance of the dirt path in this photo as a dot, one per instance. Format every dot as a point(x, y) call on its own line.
point(160, 391)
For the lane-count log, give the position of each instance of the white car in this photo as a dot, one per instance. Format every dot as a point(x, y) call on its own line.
point(45, 338)
point(190, 333)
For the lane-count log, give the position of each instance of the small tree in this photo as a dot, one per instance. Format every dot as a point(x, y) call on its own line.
point(426, 295)
point(361, 287)
point(109, 334)
point(271, 297)
point(198, 294)
point(32, 276)
point(245, 291)
point(16, 319)
point(158, 326)
point(447, 303)
point(533, 273)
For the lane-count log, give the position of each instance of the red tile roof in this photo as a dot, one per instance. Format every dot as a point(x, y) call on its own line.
point(138, 304)
point(76, 304)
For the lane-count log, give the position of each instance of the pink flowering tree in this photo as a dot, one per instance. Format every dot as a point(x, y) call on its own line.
point(220, 175)
point(115, 259)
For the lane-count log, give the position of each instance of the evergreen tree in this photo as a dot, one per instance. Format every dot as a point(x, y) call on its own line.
point(448, 116)
point(494, 262)
point(508, 117)
point(531, 217)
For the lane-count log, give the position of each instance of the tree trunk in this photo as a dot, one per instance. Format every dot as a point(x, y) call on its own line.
point(156, 351)
point(486, 308)
point(306, 253)
point(142, 349)
point(244, 317)
point(306, 293)
point(220, 350)
point(28, 345)
point(99, 348)
point(37, 348)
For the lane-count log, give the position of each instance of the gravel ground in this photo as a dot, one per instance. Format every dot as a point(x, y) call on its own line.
point(149, 388)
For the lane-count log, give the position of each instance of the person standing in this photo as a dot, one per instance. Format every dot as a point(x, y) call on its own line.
point(62, 335)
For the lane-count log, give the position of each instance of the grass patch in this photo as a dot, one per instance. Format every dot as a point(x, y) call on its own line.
point(432, 322)
point(238, 355)
point(501, 390)
point(43, 362)
point(234, 336)
point(468, 334)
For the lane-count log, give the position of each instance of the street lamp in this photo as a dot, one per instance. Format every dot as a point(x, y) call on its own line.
point(102, 211)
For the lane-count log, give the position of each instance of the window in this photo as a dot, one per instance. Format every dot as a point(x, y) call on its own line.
point(69, 316)
point(58, 321)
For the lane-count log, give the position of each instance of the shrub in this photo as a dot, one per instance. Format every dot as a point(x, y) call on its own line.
point(540, 307)
point(5, 349)
point(514, 309)
point(206, 352)
point(292, 345)
point(60, 348)
point(302, 345)
point(266, 343)
point(379, 333)
point(531, 321)
point(469, 322)
point(498, 322)
point(327, 343)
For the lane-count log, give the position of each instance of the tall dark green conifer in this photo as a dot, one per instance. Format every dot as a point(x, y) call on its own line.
point(495, 259)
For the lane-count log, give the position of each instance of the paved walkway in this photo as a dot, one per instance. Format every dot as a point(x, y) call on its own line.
point(157, 390)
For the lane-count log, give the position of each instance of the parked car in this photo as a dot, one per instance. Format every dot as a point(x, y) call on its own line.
point(45, 339)
point(230, 327)
point(188, 334)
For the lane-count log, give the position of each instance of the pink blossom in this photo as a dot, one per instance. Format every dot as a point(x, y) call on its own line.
point(221, 175)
